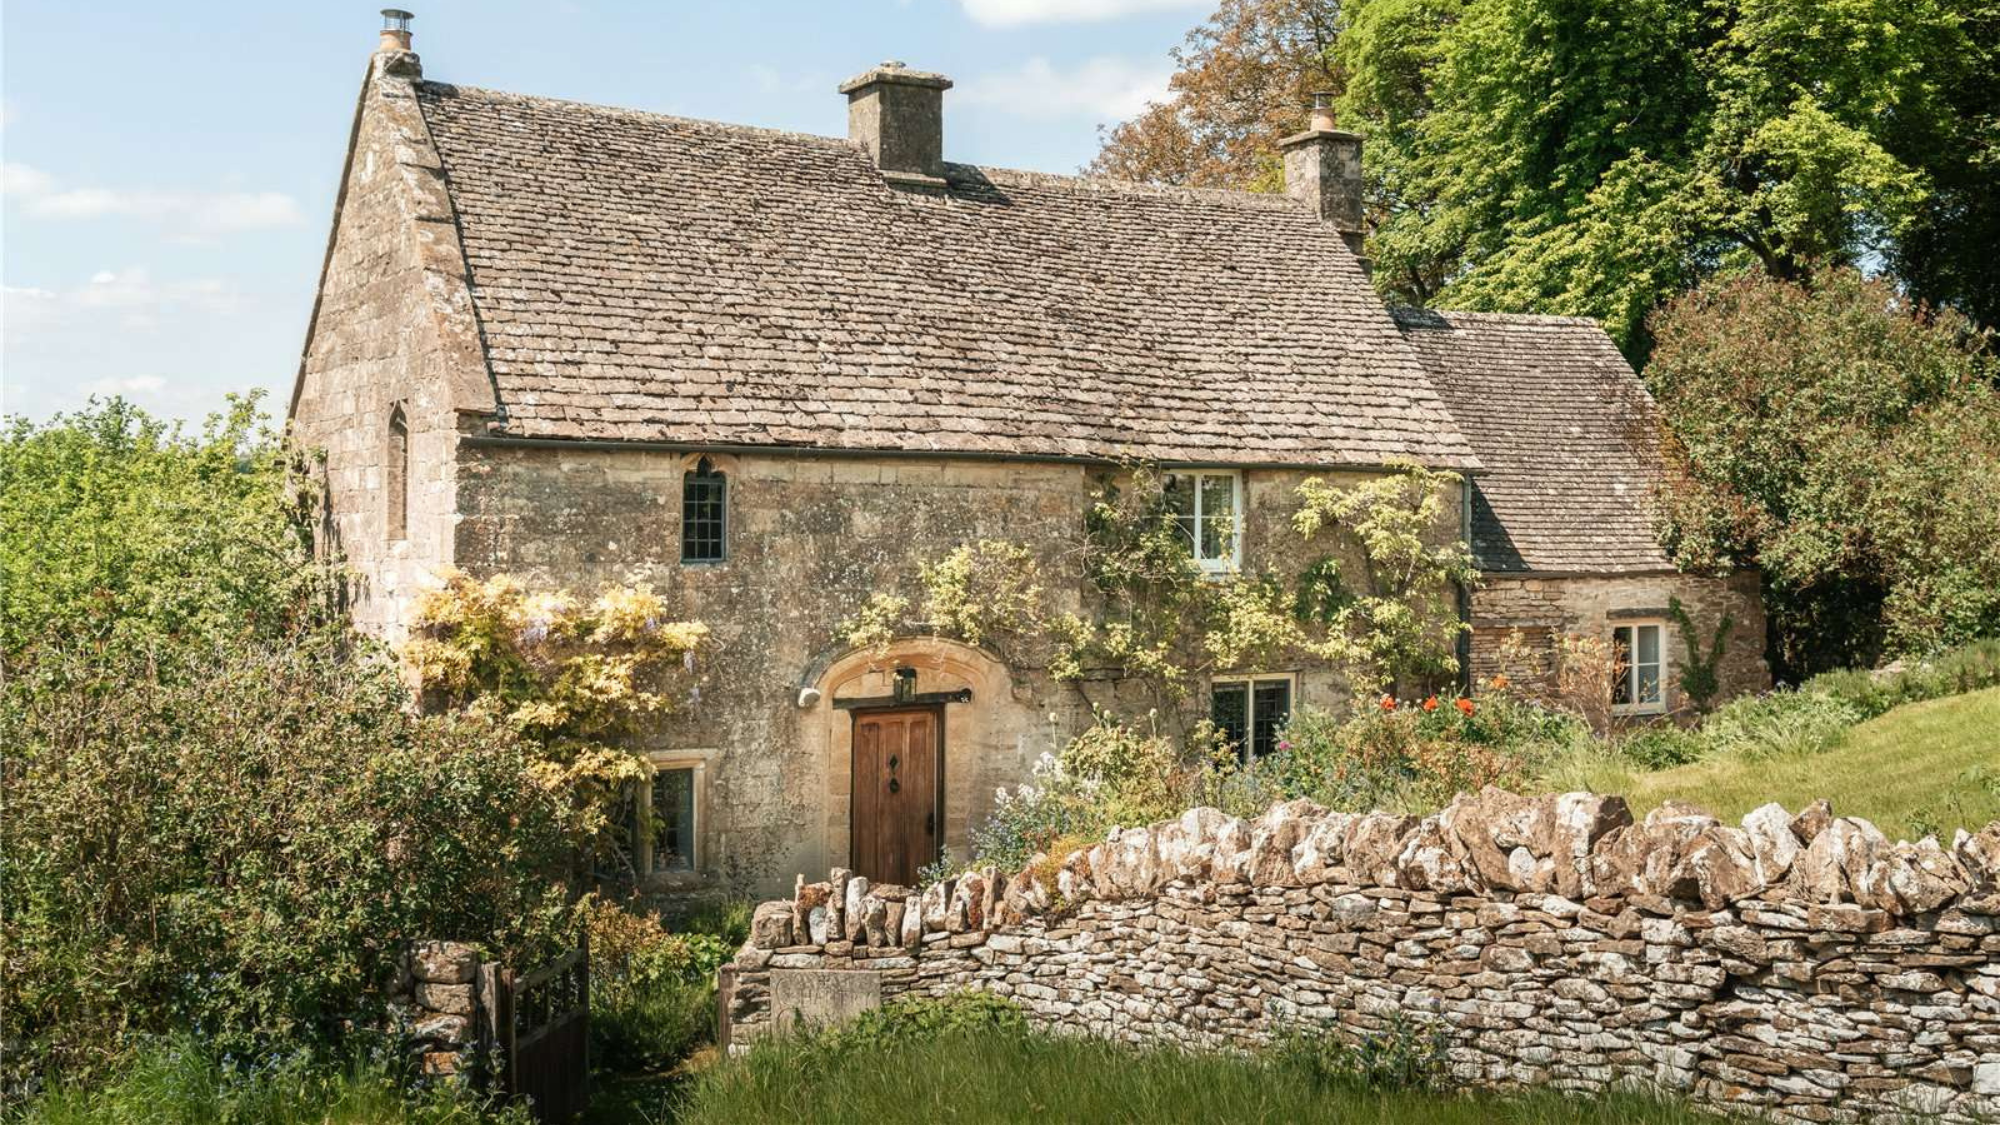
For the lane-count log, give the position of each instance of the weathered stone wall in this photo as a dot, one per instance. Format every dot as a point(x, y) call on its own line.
point(811, 538)
point(435, 1005)
point(1802, 966)
point(1544, 608)
point(393, 325)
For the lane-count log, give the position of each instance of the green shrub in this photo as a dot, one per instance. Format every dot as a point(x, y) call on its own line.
point(1406, 1055)
point(1410, 755)
point(1779, 724)
point(725, 919)
point(243, 854)
point(117, 530)
point(1660, 746)
point(1053, 804)
point(652, 993)
point(184, 1081)
point(1968, 667)
point(1413, 756)
point(651, 1027)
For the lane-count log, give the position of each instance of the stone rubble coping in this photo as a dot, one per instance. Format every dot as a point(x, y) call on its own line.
point(1581, 847)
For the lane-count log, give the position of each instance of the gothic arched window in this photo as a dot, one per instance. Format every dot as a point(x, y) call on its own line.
point(396, 478)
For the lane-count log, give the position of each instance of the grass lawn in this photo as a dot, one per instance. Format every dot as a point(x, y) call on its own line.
point(1008, 1075)
point(1923, 767)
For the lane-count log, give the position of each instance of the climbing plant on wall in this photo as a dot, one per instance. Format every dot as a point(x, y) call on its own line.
point(1128, 605)
point(577, 679)
point(1700, 674)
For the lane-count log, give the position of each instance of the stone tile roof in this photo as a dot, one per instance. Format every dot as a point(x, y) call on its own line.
point(1566, 433)
point(643, 277)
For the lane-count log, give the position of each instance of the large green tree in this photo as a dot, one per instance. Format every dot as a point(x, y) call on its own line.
point(122, 531)
point(1594, 158)
point(1848, 445)
point(1597, 157)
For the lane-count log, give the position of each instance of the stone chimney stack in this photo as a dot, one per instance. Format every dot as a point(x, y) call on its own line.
point(1323, 168)
point(395, 30)
point(898, 116)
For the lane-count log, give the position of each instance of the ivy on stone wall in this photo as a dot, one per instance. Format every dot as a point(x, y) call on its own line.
point(1699, 676)
point(1128, 605)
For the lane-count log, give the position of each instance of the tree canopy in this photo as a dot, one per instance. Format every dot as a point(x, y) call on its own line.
point(1846, 444)
point(1596, 158)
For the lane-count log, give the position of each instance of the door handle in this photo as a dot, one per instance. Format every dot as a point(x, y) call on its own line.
point(930, 823)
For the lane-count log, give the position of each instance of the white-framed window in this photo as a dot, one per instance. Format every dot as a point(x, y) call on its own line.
point(1251, 711)
point(1639, 682)
point(1208, 506)
point(665, 816)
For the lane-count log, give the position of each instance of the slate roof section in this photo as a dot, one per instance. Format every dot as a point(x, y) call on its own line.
point(1565, 430)
point(649, 278)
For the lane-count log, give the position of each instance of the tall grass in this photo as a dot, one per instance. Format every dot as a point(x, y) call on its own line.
point(1007, 1074)
point(184, 1081)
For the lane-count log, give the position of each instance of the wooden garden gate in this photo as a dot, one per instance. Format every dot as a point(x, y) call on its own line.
point(539, 1023)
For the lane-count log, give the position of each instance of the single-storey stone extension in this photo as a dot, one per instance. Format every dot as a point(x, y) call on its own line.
point(770, 374)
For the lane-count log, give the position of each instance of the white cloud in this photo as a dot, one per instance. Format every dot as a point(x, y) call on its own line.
point(120, 300)
point(187, 213)
point(1103, 87)
point(137, 385)
point(1016, 13)
point(770, 80)
point(18, 181)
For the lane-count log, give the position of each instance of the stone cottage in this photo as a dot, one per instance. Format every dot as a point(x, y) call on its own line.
point(1567, 440)
point(770, 373)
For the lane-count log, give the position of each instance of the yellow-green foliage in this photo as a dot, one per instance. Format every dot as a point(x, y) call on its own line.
point(991, 589)
point(1382, 606)
point(985, 593)
point(577, 679)
point(1396, 614)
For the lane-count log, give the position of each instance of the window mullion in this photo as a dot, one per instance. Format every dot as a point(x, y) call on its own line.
point(1200, 518)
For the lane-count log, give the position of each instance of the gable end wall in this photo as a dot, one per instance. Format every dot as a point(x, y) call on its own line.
point(393, 323)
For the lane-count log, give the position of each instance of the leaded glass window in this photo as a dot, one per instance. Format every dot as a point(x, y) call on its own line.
point(673, 820)
point(704, 514)
point(1250, 714)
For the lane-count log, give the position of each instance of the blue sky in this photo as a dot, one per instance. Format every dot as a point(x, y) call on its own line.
point(170, 168)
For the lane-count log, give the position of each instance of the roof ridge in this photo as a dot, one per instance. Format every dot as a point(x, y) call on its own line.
point(1030, 178)
point(628, 111)
point(996, 174)
point(1416, 313)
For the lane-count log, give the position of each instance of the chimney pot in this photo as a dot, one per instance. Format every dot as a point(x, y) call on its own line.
point(1322, 112)
point(897, 114)
point(395, 30)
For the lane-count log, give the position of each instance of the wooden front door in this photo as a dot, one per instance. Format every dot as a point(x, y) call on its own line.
point(897, 817)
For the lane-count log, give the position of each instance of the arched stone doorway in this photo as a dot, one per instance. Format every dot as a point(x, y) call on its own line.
point(988, 735)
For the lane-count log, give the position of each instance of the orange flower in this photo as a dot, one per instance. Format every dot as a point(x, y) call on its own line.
point(1500, 682)
point(1431, 704)
point(1388, 703)
point(1465, 705)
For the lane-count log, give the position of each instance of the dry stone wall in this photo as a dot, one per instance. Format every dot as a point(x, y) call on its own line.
point(435, 1005)
point(1802, 966)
